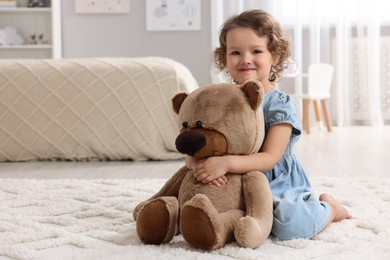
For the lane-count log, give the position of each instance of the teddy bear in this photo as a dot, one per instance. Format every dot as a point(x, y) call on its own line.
point(215, 120)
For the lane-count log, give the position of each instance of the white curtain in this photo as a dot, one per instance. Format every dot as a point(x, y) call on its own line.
point(345, 33)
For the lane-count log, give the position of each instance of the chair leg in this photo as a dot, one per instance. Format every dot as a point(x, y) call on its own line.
point(327, 115)
point(317, 111)
point(305, 116)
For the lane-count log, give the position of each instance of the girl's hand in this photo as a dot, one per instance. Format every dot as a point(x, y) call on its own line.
point(211, 169)
point(219, 182)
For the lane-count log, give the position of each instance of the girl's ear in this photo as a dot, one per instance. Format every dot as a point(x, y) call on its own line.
point(177, 100)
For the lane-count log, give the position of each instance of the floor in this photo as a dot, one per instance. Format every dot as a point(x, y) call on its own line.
point(349, 151)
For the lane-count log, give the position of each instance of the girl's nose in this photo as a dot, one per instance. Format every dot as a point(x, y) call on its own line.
point(246, 60)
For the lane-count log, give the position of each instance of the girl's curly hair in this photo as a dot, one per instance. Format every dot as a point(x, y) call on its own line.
point(263, 24)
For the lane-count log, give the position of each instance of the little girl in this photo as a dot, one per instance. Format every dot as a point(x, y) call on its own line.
point(252, 46)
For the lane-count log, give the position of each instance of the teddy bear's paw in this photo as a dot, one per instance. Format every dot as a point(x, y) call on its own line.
point(157, 220)
point(197, 225)
point(248, 233)
point(137, 209)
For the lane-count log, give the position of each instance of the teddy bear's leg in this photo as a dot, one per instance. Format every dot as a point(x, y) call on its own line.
point(253, 229)
point(157, 220)
point(203, 227)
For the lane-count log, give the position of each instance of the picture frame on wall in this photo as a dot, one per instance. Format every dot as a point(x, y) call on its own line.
point(173, 15)
point(102, 7)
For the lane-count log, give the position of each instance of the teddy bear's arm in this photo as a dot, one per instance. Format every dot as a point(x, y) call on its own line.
point(171, 188)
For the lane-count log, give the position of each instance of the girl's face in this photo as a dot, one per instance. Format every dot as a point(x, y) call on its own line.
point(247, 56)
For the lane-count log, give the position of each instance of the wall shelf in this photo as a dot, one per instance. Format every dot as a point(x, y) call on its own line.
point(29, 21)
point(26, 47)
point(25, 10)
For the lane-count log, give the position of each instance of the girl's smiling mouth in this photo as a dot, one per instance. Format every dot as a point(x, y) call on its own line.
point(245, 69)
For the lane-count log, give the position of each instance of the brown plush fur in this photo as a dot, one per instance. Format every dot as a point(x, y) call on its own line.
point(217, 119)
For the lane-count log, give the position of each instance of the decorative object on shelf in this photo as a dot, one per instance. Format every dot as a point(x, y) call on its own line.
point(43, 38)
point(32, 39)
point(39, 3)
point(102, 6)
point(35, 3)
point(10, 36)
point(39, 39)
point(174, 15)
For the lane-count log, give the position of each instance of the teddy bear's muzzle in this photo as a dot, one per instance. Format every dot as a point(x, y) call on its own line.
point(190, 142)
point(202, 143)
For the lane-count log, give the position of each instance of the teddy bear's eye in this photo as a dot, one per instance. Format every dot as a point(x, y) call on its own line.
point(185, 125)
point(198, 124)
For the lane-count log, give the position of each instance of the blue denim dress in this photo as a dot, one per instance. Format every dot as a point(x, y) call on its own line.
point(298, 213)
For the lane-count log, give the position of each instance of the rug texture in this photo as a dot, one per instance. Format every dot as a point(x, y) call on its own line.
point(92, 219)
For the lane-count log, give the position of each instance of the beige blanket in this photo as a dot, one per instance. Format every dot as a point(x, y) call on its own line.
point(82, 109)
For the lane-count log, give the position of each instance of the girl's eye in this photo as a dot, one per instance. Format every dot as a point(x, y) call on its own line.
point(235, 53)
point(257, 51)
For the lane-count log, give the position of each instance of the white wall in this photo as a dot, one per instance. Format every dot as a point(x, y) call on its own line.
point(125, 35)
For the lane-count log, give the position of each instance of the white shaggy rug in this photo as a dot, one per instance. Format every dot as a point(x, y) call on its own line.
point(91, 219)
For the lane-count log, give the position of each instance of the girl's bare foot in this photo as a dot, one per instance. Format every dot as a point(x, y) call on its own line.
point(338, 211)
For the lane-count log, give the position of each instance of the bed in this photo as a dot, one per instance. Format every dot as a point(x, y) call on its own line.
point(90, 109)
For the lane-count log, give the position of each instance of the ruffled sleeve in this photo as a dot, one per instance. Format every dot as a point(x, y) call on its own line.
point(280, 108)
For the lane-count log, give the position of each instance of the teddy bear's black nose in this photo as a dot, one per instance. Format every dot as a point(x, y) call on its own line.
point(190, 142)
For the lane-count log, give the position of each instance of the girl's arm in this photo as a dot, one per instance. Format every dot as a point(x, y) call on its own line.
point(272, 150)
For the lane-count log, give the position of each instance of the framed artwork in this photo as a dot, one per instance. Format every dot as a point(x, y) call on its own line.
point(173, 15)
point(102, 6)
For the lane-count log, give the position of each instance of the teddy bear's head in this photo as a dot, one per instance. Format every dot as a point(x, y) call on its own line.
point(220, 119)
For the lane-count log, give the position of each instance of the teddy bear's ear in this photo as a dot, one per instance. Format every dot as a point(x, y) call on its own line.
point(254, 91)
point(177, 100)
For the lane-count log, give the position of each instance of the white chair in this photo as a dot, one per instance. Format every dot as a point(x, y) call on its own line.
point(319, 79)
